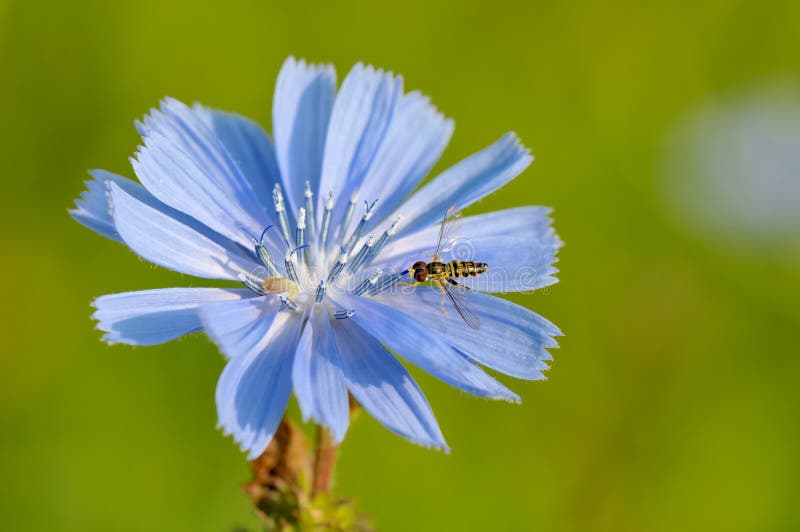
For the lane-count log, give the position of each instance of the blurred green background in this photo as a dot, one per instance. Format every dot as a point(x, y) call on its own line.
point(672, 403)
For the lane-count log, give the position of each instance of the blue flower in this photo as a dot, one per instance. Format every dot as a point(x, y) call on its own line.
point(320, 223)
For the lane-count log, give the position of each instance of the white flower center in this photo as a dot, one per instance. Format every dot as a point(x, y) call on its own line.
point(316, 261)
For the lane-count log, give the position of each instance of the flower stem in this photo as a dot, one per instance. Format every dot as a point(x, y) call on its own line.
point(324, 461)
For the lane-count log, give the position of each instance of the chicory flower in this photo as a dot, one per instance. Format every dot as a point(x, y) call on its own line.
point(321, 223)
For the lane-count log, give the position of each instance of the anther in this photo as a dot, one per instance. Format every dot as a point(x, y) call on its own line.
point(263, 254)
point(300, 232)
point(343, 314)
point(361, 226)
point(338, 267)
point(252, 283)
point(280, 210)
point(379, 245)
point(320, 295)
point(288, 305)
point(291, 271)
point(363, 253)
point(326, 220)
point(311, 221)
point(348, 215)
point(387, 282)
point(367, 283)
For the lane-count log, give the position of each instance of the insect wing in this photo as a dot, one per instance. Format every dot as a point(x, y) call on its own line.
point(449, 231)
point(458, 296)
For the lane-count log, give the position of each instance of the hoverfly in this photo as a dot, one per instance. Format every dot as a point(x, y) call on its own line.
point(444, 273)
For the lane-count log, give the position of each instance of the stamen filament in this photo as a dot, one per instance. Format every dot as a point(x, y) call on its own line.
point(320, 295)
point(379, 245)
point(348, 215)
point(369, 282)
point(361, 226)
point(300, 232)
point(253, 284)
point(387, 282)
point(291, 270)
point(326, 221)
point(286, 304)
point(310, 220)
point(266, 260)
point(280, 210)
point(338, 267)
point(362, 254)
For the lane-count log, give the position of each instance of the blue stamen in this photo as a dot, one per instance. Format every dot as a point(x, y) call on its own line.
point(280, 210)
point(379, 245)
point(367, 283)
point(363, 253)
point(288, 305)
point(320, 295)
point(300, 232)
point(310, 220)
point(387, 282)
point(253, 284)
point(264, 256)
point(348, 215)
point(264, 232)
point(326, 220)
point(343, 314)
point(361, 226)
point(338, 267)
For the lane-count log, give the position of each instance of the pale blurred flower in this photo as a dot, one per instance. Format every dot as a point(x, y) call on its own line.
point(733, 169)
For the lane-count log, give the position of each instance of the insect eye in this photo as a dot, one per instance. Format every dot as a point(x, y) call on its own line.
point(421, 275)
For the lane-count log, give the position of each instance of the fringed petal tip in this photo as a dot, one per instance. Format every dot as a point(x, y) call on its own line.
point(108, 338)
point(437, 446)
point(515, 142)
point(513, 399)
point(253, 452)
point(309, 67)
point(440, 445)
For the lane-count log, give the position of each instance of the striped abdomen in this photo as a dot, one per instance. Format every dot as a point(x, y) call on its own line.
point(466, 268)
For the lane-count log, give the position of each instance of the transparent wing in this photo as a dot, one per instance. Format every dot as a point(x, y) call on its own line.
point(458, 297)
point(449, 231)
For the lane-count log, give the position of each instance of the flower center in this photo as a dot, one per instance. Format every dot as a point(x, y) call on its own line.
point(316, 261)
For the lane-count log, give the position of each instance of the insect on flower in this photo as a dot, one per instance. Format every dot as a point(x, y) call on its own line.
point(319, 222)
point(444, 274)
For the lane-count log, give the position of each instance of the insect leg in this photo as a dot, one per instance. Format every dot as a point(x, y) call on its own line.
point(455, 283)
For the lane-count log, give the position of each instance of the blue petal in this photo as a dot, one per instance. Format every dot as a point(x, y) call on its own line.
point(152, 317)
point(465, 183)
point(171, 243)
point(383, 387)
point(417, 136)
point(317, 376)
point(361, 115)
point(238, 326)
point(185, 165)
point(301, 110)
point(254, 388)
point(92, 208)
point(423, 347)
point(511, 339)
point(250, 147)
point(519, 245)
